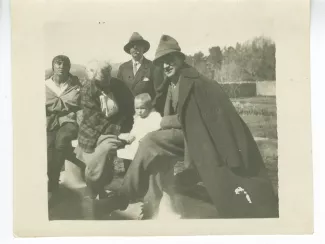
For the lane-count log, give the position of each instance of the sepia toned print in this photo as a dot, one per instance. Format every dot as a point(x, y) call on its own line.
point(172, 121)
point(214, 145)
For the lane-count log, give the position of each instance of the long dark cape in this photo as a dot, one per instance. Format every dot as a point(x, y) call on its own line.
point(223, 150)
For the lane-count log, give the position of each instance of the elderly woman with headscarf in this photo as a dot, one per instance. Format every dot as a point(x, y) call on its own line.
point(62, 103)
point(108, 110)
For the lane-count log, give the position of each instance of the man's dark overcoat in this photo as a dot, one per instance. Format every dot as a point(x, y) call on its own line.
point(223, 150)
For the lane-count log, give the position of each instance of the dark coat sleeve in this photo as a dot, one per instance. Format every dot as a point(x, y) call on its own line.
point(119, 72)
point(157, 75)
point(125, 100)
point(160, 86)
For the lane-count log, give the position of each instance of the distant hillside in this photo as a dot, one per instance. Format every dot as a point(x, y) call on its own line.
point(76, 69)
point(79, 71)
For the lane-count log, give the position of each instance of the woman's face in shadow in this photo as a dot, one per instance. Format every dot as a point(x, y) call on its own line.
point(60, 68)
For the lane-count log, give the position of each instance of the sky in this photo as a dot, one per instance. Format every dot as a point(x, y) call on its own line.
point(195, 26)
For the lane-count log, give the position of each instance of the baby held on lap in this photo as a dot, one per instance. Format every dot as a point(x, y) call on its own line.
point(146, 120)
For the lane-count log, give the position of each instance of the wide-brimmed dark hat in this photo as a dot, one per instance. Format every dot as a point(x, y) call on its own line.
point(166, 46)
point(136, 38)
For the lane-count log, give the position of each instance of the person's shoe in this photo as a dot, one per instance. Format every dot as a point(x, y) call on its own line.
point(187, 178)
point(147, 212)
point(114, 202)
point(98, 208)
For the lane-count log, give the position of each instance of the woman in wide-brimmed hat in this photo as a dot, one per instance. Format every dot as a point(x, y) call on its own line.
point(139, 73)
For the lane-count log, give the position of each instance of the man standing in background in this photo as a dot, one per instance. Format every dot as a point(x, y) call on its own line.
point(139, 73)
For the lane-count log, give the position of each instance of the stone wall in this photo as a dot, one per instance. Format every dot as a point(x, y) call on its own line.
point(249, 89)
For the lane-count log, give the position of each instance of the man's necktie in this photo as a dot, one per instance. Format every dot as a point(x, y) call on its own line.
point(135, 67)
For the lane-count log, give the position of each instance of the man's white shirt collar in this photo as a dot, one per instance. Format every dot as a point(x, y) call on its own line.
point(137, 62)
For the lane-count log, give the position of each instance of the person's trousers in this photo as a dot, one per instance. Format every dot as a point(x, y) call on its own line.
point(99, 165)
point(151, 171)
point(58, 149)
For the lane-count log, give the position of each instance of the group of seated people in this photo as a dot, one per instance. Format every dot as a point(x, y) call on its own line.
point(152, 115)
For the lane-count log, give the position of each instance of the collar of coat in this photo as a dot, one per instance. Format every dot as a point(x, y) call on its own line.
point(138, 62)
point(187, 78)
point(144, 63)
point(72, 82)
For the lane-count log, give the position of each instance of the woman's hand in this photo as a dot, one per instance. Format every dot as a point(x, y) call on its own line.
point(124, 136)
point(170, 122)
point(130, 139)
point(113, 145)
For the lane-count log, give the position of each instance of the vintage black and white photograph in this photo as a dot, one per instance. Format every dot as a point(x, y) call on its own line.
point(161, 118)
point(173, 121)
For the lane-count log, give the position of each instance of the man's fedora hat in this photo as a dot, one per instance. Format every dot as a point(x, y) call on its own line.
point(166, 46)
point(136, 38)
